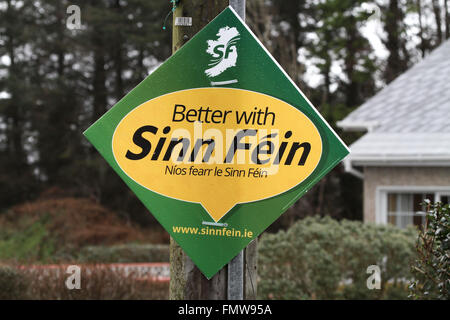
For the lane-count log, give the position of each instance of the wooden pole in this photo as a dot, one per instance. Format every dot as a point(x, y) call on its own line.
point(186, 280)
point(236, 266)
point(251, 270)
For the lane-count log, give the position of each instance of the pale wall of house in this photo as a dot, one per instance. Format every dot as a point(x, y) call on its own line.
point(399, 176)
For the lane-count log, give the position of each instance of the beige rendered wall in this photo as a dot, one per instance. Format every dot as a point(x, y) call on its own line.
point(399, 176)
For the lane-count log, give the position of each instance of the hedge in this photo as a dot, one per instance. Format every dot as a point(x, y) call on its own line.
point(99, 284)
point(125, 253)
point(321, 258)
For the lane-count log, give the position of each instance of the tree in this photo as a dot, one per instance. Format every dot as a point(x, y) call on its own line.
point(398, 59)
point(16, 180)
point(438, 19)
point(447, 19)
point(56, 100)
point(424, 46)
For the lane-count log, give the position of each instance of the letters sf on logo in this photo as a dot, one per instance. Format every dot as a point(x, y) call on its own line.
point(217, 142)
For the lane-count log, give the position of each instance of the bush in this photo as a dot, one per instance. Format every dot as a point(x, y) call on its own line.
point(99, 283)
point(125, 253)
point(32, 243)
point(12, 284)
point(55, 230)
point(432, 268)
point(320, 258)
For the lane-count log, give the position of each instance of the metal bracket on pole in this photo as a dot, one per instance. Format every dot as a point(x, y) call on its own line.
point(236, 266)
point(239, 7)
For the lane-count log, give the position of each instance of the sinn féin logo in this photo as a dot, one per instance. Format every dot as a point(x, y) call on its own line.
point(223, 51)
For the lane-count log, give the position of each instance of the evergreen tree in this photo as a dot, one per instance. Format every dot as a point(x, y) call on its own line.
point(17, 182)
point(399, 57)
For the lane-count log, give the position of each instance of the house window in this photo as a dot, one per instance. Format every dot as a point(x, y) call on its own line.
point(405, 209)
point(401, 206)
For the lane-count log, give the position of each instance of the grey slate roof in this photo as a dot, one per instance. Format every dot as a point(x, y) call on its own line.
point(409, 119)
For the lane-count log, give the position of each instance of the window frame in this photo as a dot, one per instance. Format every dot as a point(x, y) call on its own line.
point(381, 197)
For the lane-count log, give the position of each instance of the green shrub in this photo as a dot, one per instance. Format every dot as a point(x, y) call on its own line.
point(31, 244)
point(320, 258)
point(432, 267)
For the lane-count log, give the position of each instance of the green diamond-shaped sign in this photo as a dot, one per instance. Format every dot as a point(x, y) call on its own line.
point(217, 142)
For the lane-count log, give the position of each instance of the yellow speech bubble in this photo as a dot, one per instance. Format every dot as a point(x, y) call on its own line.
point(217, 147)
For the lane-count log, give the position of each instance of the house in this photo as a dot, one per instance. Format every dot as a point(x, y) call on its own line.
point(404, 156)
